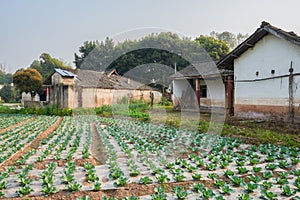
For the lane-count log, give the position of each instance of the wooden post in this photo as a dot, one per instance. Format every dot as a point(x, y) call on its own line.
point(198, 91)
point(230, 96)
point(291, 94)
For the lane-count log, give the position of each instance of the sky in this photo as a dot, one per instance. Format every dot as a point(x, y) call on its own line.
point(59, 27)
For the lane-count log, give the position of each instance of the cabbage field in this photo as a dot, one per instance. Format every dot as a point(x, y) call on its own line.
point(91, 157)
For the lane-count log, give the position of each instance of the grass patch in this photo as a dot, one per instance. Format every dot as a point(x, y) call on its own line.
point(249, 132)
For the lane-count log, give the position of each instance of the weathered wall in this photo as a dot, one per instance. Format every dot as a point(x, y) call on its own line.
point(65, 93)
point(255, 97)
point(96, 97)
point(215, 93)
point(26, 97)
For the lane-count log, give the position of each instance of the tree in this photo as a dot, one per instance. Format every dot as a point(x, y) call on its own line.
point(103, 55)
point(214, 47)
point(5, 78)
point(7, 93)
point(46, 65)
point(85, 50)
point(28, 80)
point(233, 40)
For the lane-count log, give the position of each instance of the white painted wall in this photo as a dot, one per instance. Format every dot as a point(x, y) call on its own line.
point(269, 53)
point(179, 86)
point(216, 89)
point(27, 97)
point(215, 92)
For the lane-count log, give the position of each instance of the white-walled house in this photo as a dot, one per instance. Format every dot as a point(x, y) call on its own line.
point(266, 74)
point(200, 86)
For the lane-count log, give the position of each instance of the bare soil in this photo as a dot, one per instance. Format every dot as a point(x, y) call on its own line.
point(60, 163)
point(97, 147)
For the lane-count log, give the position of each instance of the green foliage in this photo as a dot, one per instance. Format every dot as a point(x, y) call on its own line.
point(7, 93)
point(130, 198)
point(214, 47)
point(105, 110)
point(162, 178)
point(242, 170)
point(85, 50)
point(136, 109)
point(231, 39)
point(219, 183)
point(107, 53)
point(237, 181)
point(287, 191)
point(203, 126)
point(26, 189)
point(256, 169)
point(268, 195)
point(159, 194)
point(47, 110)
point(244, 197)
point(28, 80)
point(225, 189)
point(250, 187)
point(97, 186)
point(74, 186)
point(46, 65)
point(145, 180)
point(228, 173)
point(197, 176)
point(5, 78)
point(180, 192)
point(84, 198)
point(121, 181)
point(49, 189)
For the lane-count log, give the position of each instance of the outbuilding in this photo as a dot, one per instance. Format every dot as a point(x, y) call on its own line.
point(88, 89)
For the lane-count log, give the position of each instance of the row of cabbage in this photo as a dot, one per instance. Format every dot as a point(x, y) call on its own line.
point(143, 153)
point(235, 170)
point(11, 141)
point(52, 166)
point(7, 120)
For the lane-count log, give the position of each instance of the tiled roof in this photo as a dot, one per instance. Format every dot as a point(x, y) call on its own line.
point(262, 31)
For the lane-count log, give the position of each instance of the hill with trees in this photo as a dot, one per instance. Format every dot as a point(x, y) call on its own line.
point(163, 48)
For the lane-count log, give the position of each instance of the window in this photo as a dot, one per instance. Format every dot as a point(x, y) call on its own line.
point(273, 71)
point(203, 91)
point(256, 73)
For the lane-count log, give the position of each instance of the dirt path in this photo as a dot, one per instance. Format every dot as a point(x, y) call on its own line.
point(33, 145)
point(15, 125)
point(97, 147)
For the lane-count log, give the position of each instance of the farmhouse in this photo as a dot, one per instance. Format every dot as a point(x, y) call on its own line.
point(200, 85)
point(87, 89)
point(266, 74)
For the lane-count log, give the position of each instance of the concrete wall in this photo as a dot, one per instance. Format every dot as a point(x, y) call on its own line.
point(256, 98)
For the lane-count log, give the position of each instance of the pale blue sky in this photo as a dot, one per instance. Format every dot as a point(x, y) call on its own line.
point(59, 27)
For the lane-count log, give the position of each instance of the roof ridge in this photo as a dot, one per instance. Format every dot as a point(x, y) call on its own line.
point(264, 29)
